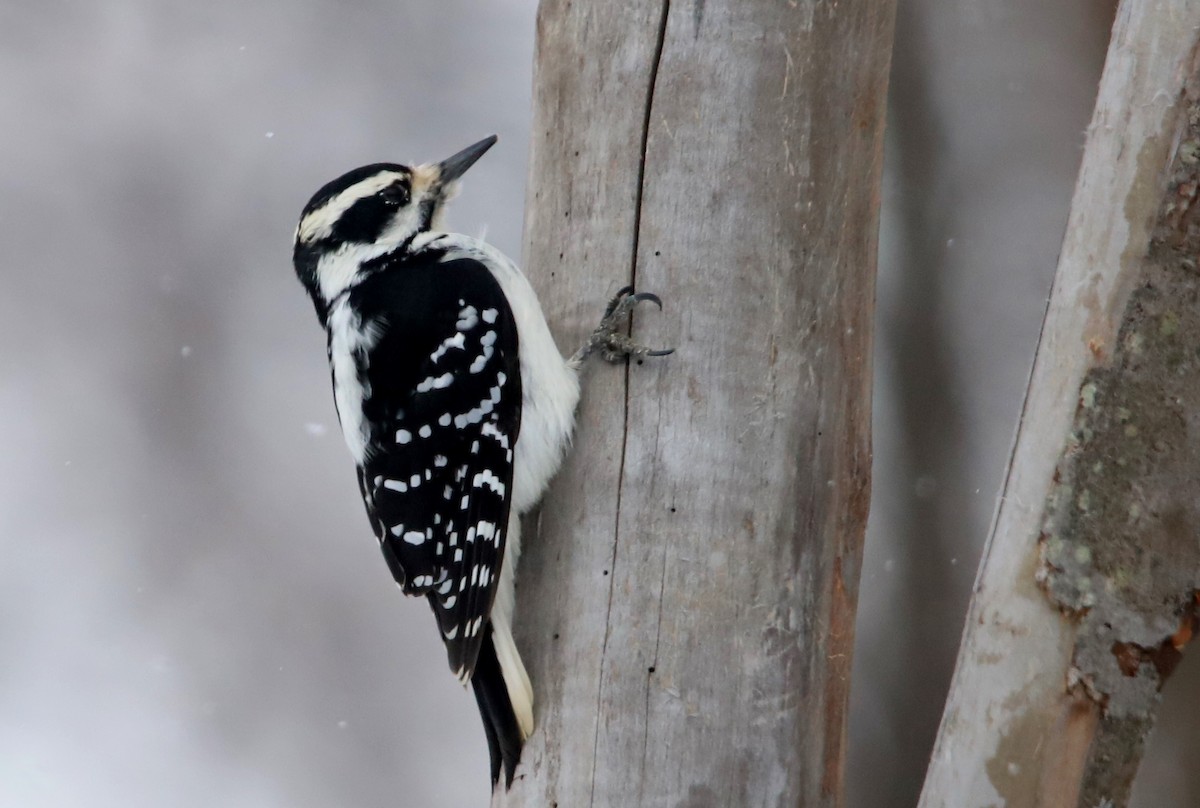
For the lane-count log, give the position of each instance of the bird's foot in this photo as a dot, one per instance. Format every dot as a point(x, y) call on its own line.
point(610, 338)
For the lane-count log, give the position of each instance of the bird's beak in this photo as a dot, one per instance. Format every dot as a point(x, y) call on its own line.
point(454, 167)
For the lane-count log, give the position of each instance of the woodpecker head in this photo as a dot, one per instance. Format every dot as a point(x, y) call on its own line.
point(370, 209)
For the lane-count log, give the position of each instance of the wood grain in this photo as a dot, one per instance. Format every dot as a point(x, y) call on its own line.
point(687, 600)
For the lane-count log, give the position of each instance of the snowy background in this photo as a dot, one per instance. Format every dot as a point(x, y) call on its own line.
point(193, 611)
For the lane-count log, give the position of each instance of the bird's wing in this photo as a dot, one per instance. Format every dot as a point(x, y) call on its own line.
point(443, 405)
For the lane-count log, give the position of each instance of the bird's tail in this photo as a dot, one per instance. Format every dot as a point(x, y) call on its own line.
point(500, 722)
point(520, 691)
point(501, 684)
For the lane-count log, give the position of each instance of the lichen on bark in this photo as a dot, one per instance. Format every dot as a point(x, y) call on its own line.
point(1120, 541)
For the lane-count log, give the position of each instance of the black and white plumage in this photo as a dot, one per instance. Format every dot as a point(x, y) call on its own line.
point(455, 404)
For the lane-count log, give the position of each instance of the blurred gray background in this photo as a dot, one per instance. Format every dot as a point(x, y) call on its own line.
point(193, 611)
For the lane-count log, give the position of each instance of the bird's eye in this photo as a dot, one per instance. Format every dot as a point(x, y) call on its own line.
point(395, 196)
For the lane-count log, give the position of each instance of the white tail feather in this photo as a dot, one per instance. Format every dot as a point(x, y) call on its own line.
point(516, 680)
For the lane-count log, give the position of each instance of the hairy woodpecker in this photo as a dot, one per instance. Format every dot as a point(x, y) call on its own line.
point(455, 402)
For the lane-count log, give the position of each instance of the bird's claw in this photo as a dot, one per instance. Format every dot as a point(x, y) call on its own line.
point(609, 337)
point(621, 294)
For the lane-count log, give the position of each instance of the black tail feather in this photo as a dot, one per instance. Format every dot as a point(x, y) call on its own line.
point(499, 720)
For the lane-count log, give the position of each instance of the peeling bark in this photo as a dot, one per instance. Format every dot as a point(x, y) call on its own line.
point(1121, 539)
point(1087, 592)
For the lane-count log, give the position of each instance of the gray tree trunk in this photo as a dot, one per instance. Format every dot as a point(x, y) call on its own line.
point(1087, 591)
point(686, 600)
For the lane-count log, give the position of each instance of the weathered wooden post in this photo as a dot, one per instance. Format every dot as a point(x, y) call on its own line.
point(1086, 593)
point(686, 601)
